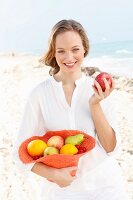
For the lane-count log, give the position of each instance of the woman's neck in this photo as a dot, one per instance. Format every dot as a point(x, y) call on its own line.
point(67, 78)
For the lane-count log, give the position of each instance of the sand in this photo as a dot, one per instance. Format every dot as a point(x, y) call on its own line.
point(19, 74)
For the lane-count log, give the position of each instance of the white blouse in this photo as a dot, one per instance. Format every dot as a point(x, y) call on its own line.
point(47, 109)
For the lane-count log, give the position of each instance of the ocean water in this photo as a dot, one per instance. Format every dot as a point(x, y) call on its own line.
point(120, 49)
point(113, 57)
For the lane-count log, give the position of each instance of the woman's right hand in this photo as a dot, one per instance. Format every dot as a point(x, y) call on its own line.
point(62, 177)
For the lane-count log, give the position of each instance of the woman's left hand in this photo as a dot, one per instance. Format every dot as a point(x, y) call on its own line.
point(99, 95)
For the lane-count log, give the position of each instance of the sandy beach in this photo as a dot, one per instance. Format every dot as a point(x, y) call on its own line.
point(19, 74)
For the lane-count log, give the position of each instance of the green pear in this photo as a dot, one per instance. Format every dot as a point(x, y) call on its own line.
point(75, 139)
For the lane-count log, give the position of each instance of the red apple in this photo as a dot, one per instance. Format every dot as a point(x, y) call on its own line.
point(99, 78)
point(55, 141)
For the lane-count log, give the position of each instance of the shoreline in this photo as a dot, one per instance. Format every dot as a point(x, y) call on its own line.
point(117, 66)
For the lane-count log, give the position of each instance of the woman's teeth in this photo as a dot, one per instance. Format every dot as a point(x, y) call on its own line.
point(69, 64)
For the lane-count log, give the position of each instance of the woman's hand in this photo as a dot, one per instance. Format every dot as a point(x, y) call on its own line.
point(64, 177)
point(99, 94)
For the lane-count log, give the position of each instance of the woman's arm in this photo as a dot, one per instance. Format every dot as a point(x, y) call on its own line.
point(62, 177)
point(43, 170)
point(32, 124)
point(105, 133)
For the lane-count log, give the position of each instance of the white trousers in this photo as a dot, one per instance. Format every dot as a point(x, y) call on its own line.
point(108, 193)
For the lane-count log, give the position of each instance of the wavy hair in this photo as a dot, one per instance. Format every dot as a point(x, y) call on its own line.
point(61, 27)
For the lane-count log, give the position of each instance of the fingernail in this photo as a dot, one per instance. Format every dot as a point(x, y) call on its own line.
point(73, 172)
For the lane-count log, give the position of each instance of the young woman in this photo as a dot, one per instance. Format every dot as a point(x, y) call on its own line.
point(68, 100)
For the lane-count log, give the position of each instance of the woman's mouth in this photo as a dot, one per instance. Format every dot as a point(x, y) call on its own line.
point(70, 65)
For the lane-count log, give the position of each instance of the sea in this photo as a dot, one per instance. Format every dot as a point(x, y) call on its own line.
point(113, 57)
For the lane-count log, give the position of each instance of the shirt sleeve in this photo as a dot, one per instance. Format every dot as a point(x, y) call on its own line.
point(110, 110)
point(32, 124)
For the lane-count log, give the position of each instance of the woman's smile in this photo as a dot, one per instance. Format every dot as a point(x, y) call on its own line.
point(70, 65)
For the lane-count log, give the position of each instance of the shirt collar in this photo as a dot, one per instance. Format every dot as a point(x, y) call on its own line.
point(77, 82)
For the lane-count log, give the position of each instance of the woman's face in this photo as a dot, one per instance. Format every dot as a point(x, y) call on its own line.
point(69, 51)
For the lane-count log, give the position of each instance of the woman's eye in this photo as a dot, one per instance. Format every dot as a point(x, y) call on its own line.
point(76, 49)
point(61, 51)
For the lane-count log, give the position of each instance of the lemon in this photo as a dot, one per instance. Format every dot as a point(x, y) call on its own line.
point(36, 147)
point(68, 149)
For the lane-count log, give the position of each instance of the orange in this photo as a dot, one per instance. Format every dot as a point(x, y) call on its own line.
point(36, 147)
point(68, 149)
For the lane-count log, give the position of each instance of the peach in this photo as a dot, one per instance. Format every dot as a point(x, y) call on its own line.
point(55, 141)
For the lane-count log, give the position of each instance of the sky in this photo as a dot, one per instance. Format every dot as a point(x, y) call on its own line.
point(25, 25)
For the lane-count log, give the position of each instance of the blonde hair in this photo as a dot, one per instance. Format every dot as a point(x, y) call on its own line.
point(61, 27)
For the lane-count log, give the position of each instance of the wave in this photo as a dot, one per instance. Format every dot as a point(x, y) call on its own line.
point(125, 51)
point(118, 66)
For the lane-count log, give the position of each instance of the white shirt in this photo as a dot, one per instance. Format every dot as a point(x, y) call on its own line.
point(47, 109)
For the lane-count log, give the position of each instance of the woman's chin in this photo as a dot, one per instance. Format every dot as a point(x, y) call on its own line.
point(70, 67)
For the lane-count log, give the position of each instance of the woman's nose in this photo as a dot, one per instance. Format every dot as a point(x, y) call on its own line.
point(69, 55)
